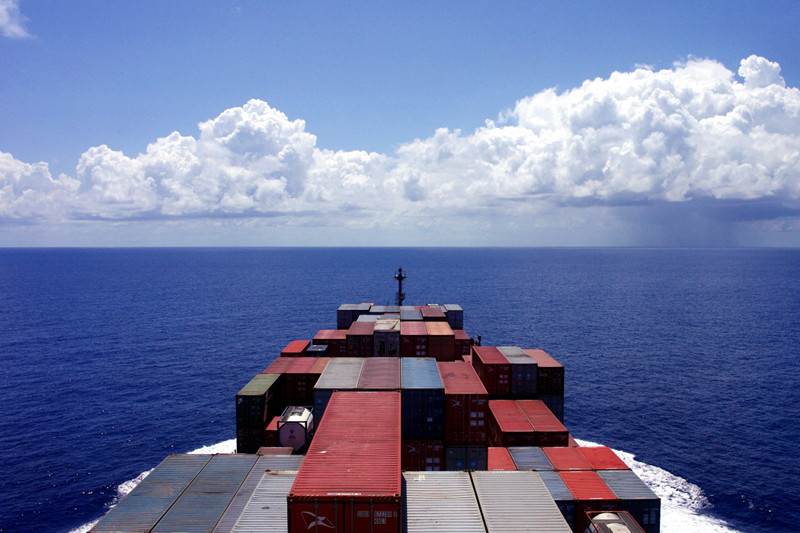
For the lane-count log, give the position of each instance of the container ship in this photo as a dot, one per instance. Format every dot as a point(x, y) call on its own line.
point(396, 421)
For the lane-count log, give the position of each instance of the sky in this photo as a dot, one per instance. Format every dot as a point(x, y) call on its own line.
point(252, 123)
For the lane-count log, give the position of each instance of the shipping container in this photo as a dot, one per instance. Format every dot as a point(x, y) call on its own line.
point(340, 373)
point(279, 365)
point(530, 458)
point(433, 314)
point(566, 458)
point(517, 501)
point(508, 426)
point(466, 404)
point(423, 399)
point(296, 428)
point(555, 404)
point(441, 502)
point(149, 500)
point(423, 454)
point(524, 371)
point(560, 494)
point(466, 457)
point(275, 450)
point(462, 344)
point(635, 497)
point(380, 374)
point(271, 433)
point(386, 337)
point(493, 369)
point(317, 350)
point(335, 339)
point(603, 458)
point(454, 315)
point(499, 459)
point(256, 403)
point(266, 510)
point(253, 480)
point(349, 313)
point(591, 494)
point(413, 339)
point(409, 315)
point(549, 429)
point(319, 366)
point(207, 497)
point(441, 341)
point(360, 339)
point(295, 349)
point(350, 479)
point(299, 381)
point(606, 522)
point(551, 373)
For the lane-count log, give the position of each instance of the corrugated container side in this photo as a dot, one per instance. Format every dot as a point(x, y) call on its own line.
point(555, 404)
point(295, 349)
point(530, 458)
point(603, 458)
point(433, 314)
point(454, 315)
point(566, 458)
point(635, 497)
point(413, 339)
point(493, 369)
point(561, 494)
point(360, 339)
point(422, 399)
point(524, 371)
point(266, 510)
point(256, 403)
point(508, 426)
point(462, 343)
point(466, 404)
point(466, 457)
point(409, 315)
point(340, 373)
point(207, 497)
point(146, 504)
point(271, 433)
point(423, 455)
point(380, 374)
point(351, 476)
point(590, 493)
point(441, 341)
point(517, 501)
point(319, 366)
point(551, 373)
point(299, 382)
point(498, 458)
point(386, 337)
point(549, 429)
point(279, 365)
point(441, 501)
point(335, 339)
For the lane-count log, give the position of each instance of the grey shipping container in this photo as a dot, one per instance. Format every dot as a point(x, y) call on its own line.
point(204, 501)
point(635, 497)
point(422, 399)
point(466, 457)
point(517, 501)
point(524, 371)
point(341, 373)
point(146, 504)
point(266, 511)
point(410, 315)
point(561, 495)
point(349, 313)
point(441, 502)
point(530, 458)
point(455, 315)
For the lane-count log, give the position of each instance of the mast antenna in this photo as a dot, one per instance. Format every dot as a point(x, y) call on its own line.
point(400, 294)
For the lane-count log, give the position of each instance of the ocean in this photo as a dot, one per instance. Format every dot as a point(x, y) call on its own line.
point(683, 360)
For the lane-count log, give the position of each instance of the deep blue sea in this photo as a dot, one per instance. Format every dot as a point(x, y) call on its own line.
point(686, 359)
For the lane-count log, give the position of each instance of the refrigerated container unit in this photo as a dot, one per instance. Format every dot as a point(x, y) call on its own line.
point(360, 339)
point(635, 497)
point(466, 404)
point(493, 369)
point(295, 349)
point(341, 373)
point(590, 493)
point(423, 455)
point(386, 337)
point(441, 501)
point(498, 458)
point(454, 315)
point(508, 426)
point(350, 479)
point(524, 372)
point(549, 429)
point(517, 501)
point(413, 339)
point(423, 399)
point(441, 341)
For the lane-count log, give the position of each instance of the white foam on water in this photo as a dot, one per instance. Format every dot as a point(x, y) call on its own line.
point(124, 488)
point(683, 504)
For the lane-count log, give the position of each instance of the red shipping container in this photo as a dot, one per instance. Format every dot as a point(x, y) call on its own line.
point(551, 373)
point(335, 339)
point(433, 314)
point(500, 459)
point(380, 373)
point(441, 341)
point(299, 382)
point(549, 429)
point(319, 367)
point(423, 455)
point(350, 480)
point(279, 365)
point(602, 458)
point(466, 404)
point(271, 433)
point(413, 339)
point(591, 494)
point(360, 340)
point(463, 344)
point(566, 458)
point(493, 369)
point(295, 349)
point(508, 426)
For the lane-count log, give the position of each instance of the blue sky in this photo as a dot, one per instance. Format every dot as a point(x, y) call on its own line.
point(469, 123)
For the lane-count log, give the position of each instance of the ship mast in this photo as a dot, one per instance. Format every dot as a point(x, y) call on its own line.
point(400, 277)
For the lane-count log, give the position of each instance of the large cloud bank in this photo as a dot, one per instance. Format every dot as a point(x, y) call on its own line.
point(694, 134)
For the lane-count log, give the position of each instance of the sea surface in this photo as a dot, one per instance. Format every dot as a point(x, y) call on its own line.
point(684, 360)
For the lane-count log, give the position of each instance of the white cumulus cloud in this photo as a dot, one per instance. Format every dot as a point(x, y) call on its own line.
point(12, 22)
